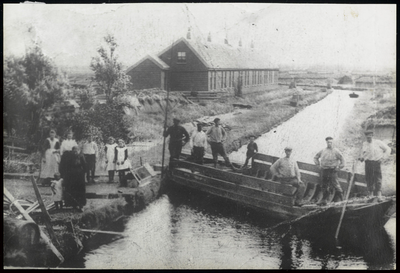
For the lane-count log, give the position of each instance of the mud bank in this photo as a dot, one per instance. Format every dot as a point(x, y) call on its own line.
point(73, 230)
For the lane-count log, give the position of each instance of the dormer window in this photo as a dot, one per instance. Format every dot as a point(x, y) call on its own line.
point(181, 58)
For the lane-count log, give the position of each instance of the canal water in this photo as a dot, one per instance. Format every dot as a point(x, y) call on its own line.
point(187, 230)
point(195, 231)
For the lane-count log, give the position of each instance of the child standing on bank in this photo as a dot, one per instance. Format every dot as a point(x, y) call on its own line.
point(57, 191)
point(252, 149)
point(122, 161)
point(110, 156)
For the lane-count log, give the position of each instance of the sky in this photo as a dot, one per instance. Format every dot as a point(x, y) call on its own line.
point(354, 37)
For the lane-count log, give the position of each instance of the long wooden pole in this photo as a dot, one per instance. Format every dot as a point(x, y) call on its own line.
point(165, 128)
point(347, 200)
point(46, 216)
point(166, 115)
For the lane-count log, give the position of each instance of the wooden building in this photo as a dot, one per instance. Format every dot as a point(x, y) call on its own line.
point(194, 65)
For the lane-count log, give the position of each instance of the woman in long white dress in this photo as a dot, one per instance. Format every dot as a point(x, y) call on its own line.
point(68, 143)
point(50, 158)
point(110, 158)
point(122, 162)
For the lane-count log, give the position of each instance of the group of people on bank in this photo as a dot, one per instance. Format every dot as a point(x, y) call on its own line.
point(68, 167)
point(285, 170)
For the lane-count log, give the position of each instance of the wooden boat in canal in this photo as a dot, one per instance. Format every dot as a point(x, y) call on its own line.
point(353, 95)
point(254, 188)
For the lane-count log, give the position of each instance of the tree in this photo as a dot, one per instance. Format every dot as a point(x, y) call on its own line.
point(31, 84)
point(108, 72)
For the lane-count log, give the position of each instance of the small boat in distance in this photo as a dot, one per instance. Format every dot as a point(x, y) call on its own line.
point(254, 188)
point(353, 95)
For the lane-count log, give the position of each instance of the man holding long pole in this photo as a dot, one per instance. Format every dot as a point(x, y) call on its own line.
point(178, 138)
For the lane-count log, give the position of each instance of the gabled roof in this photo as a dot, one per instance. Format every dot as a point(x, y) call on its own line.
point(160, 63)
point(223, 56)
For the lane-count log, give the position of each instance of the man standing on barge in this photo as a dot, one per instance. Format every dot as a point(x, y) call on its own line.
point(286, 171)
point(330, 160)
point(217, 135)
point(373, 151)
point(178, 138)
point(198, 143)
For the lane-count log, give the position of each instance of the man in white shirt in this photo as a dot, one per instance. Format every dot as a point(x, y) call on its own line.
point(198, 144)
point(217, 136)
point(373, 151)
point(286, 171)
point(90, 151)
point(330, 160)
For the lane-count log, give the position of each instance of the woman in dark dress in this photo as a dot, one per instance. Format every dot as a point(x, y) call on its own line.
point(72, 169)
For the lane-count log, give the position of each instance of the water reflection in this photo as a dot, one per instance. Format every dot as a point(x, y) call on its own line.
point(196, 231)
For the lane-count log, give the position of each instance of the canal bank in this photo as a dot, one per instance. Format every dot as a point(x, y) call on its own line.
point(71, 230)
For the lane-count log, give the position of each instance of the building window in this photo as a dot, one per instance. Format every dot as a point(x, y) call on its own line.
point(215, 80)
point(181, 57)
point(210, 81)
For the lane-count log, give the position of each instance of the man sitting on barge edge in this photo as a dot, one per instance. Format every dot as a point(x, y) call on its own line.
point(286, 171)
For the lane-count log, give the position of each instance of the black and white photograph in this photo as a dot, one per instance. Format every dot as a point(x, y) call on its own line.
point(199, 136)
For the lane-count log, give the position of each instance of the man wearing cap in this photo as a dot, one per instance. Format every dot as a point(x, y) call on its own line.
point(286, 171)
point(373, 151)
point(178, 138)
point(330, 160)
point(216, 136)
point(198, 143)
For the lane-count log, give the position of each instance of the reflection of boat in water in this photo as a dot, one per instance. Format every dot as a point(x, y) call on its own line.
point(353, 95)
point(253, 188)
point(372, 244)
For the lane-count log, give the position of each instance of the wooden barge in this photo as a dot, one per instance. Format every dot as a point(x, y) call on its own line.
point(254, 188)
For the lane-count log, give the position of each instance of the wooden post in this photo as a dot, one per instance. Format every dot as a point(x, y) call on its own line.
point(28, 217)
point(46, 215)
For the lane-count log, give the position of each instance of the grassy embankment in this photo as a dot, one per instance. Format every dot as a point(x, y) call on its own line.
point(369, 103)
point(269, 110)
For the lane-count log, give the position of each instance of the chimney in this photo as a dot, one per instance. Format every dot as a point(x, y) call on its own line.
point(188, 36)
point(209, 37)
point(226, 41)
point(240, 42)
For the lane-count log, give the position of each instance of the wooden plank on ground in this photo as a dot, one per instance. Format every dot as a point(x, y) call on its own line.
point(46, 218)
point(28, 217)
point(29, 209)
point(149, 169)
point(102, 231)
